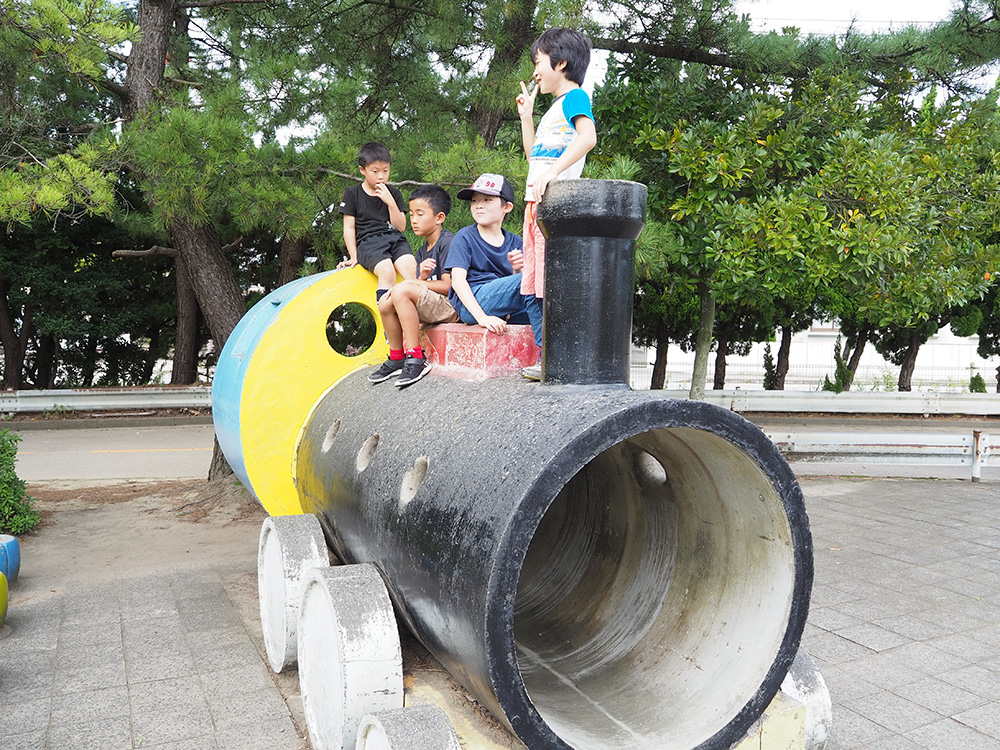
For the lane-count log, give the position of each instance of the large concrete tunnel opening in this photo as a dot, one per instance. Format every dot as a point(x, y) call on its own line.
point(655, 594)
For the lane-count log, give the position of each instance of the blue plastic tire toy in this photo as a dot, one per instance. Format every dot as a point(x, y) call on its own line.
point(10, 557)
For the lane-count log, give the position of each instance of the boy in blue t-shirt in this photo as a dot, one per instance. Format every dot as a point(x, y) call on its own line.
point(557, 149)
point(484, 261)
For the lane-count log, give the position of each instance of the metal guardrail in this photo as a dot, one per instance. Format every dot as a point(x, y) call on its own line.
point(791, 402)
point(850, 402)
point(106, 399)
point(944, 449)
point(938, 449)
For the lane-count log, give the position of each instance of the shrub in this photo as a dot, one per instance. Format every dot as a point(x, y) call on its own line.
point(17, 512)
point(842, 373)
point(977, 384)
point(770, 371)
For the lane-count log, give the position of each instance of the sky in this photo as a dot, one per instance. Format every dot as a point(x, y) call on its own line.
point(834, 16)
point(830, 17)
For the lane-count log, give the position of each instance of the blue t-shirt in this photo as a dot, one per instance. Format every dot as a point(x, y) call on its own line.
point(439, 253)
point(482, 261)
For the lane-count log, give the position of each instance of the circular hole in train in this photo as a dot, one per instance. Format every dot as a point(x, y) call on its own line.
point(351, 329)
point(412, 481)
point(655, 593)
point(367, 451)
point(331, 433)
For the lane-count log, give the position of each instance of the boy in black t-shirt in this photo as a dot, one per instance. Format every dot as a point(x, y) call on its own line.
point(422, 300)
point(374, 221)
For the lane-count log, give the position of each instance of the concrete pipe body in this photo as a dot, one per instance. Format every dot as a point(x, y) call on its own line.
point(602, 568)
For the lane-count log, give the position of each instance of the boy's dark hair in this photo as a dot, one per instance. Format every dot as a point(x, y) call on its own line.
point(565, 44)
point(373, 152)
point(436, 196)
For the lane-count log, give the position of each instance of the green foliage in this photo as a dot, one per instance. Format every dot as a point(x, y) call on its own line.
point(794, 169)
point(977, 384)
point(55, 155)
point(841, 375)
point(351, 329)
point(17, 513)
point(770, 373)
point(84, 317)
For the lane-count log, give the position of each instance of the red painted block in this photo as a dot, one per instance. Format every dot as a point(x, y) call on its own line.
point(473, 353)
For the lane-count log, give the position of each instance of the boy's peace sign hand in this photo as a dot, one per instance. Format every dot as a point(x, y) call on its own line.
point(526, 99)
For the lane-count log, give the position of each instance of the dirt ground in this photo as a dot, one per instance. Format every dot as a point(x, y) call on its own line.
point(97, 530)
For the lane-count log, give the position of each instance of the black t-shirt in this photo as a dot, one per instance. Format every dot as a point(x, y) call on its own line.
point(371, 215)
point(439, 253)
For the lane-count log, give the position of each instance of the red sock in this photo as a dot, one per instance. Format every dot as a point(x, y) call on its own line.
point(396, 354)
point(416, 351)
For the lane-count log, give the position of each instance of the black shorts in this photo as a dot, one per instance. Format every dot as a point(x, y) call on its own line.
point(375, 248)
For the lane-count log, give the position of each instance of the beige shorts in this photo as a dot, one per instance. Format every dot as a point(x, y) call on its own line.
point(435, 308)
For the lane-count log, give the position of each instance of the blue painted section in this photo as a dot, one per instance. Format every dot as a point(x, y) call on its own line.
point(234, 362)
point(10, 557)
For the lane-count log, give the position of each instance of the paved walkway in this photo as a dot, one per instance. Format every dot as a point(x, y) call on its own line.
point(904, 625)
point(905, 616)
point(154, 662)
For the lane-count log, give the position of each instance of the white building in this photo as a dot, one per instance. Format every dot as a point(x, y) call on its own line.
point(945, 363)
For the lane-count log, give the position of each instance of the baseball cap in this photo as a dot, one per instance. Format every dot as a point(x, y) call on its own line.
point(489, 184)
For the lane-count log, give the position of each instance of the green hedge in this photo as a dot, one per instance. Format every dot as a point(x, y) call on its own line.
point(17, 513)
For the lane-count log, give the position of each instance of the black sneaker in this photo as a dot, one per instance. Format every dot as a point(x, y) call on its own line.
point(386, 370)
point(413, 370)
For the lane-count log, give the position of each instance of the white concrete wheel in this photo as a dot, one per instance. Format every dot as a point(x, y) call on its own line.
point(290, 546)
point(805, 683)
point(350, 662)
point(410, 728)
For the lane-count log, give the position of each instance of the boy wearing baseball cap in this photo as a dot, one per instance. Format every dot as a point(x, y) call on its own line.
point(485, 262)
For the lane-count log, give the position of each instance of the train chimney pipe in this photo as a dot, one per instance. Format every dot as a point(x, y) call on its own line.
point(590, 229)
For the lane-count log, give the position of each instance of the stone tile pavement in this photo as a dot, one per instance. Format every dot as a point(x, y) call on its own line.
point(905, 616)
point(161, 662)
point(904, 625)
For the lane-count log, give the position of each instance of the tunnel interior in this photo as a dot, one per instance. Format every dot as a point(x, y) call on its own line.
point(655, 593)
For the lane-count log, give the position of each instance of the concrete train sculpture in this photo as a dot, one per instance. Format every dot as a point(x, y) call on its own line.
point(600, 567)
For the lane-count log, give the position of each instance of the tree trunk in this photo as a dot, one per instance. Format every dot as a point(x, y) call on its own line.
point(293, 255)
point(211, 277)
point(185, 366)
point(148, 57)
point(721, 351)
point(13, 344)
point(219, 468)
point(218, 295)
point(859, 348)
point(784, 354)
point(518, 34)
point(46, 375)
point(909, 363)
point(703, 341)
point(659, 379)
